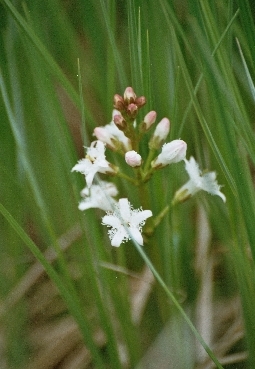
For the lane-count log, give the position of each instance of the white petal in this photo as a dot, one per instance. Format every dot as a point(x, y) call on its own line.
point(85, 192)
point(103, 166)
point(83, 166)
point(112, 221)
point(99, 146)
point(136, 234)
point(137, 218)
point(84, 205)
point(124, 207)
point(119, 236)
point(192, 169)
point(90, 177)
point(210, 185)
point(110, 188)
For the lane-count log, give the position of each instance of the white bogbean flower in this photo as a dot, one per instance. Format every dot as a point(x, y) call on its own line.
point(94, 162)
point(197, 182)
point(125, 223)
point(99, 196)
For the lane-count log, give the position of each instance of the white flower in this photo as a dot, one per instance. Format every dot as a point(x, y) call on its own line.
point(126, 223)
point(94, 162)
point(112, 136)
point(172, 152)
point(99, 196)
point(198, 181)
point(133, 158)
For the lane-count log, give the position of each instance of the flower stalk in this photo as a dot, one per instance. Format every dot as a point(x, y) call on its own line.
point(124, 136)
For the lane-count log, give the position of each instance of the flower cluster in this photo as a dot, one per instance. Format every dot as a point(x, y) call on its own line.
point(124, 136)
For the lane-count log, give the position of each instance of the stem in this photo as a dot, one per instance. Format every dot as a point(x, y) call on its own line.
point(148, 160)
point(161, 215)
point(125, 176)
point(177, 305)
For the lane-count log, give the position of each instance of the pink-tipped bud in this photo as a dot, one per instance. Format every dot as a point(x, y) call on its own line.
point(140, 101)
point(149, 119)
point(103, 135)
point(120, 122)
point(129, 95)
point(172, 152)
point(160, 134)
point(132, 110)
point(133, 158)
point(162, 129)
point(118, 102)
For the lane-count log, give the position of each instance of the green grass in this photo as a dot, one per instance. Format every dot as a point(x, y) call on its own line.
point(67, 298)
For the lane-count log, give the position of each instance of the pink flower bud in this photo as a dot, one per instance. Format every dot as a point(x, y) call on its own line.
point(132, 110)
point(149, 119)
point(160, 134)
point(103, 135)
point(162, 129)
point(140, 101)
point(172, 152)
point(133, 158)
point(118, 102)
point(120, 122)
point(129, 95)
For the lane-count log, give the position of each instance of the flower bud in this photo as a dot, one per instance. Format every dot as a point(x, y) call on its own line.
point(132, 110)
point(118, 102)
point(129, 95)
point(104, 135)
point(172, 152)
point(149, 119)
point(140, 101)
point(120, 122)
point(133, 158)
point(160, 134)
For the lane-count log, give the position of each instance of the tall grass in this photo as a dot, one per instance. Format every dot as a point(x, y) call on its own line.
point(67, 298)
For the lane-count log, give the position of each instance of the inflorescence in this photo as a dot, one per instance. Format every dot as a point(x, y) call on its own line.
point(124, 135)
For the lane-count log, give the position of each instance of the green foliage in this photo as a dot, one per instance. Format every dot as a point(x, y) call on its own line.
point(60, 65)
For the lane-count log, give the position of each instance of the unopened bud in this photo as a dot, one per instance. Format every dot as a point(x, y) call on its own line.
point(140, 101)
point(104, 135)
point(129, 95)
point(160, 134)
point(120, 122)
point(132, 110)
point(133, 158)
point(118, 102)
point(172, 152)
point(149, 119)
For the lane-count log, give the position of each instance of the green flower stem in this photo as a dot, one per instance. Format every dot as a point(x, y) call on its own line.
point(161, 215)
point(149, 230)
point(124, 176)
point(150, 156)
point(177, 305)
point(158, 219)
